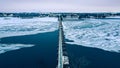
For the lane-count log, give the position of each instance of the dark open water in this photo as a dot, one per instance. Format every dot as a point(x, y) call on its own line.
point(85, 57)
point(42, 55)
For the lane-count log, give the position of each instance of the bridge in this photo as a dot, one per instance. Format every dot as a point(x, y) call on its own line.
point(63, 61)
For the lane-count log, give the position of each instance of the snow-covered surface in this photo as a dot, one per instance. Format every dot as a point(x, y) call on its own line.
point(10, 26)
point(8, 47)
point(113, 17)
point(97, 33)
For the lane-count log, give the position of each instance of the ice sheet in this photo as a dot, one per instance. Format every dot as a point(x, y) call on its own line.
point(10, 26)
point(97, 33)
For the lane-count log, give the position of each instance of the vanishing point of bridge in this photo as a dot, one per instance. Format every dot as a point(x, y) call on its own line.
point(63, 61)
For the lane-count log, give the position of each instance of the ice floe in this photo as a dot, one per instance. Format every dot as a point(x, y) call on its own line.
point(8, 47)
point(97, 33)
point(10, 26)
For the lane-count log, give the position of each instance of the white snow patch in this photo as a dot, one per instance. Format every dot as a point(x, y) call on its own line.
point(98, 33)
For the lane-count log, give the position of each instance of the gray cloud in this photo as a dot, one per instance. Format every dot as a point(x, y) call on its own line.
point(59, 5)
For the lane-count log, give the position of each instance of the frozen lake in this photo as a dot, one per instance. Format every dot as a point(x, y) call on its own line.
point(33, 42)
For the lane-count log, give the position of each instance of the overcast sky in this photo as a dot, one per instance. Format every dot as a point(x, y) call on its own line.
point(59, 5)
